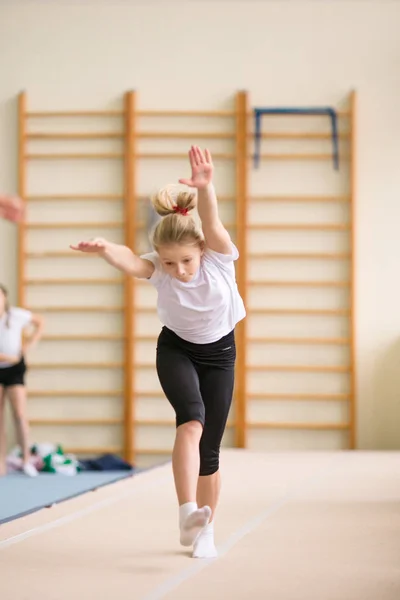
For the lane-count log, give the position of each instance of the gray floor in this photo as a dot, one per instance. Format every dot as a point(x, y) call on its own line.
point(21, 495)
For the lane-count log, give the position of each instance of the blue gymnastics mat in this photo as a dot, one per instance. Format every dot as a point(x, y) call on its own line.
point(21, 495)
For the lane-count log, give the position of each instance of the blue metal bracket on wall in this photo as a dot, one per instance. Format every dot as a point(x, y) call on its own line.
point(330, 112)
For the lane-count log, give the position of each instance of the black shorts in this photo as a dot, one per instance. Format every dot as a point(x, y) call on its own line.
point(14, 375)
point(197, 379)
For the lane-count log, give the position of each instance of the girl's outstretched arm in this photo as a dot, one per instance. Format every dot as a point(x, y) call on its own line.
point(120, 257)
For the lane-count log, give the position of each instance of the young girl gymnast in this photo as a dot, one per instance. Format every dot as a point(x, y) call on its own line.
point(199, 305)
point(14, 323)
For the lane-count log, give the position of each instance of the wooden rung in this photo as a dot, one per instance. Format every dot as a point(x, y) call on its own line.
point(185, 135)
point(300, 368)
point(153, 452)
point(158, 394)
point(299, 397)
point(59, 197)
point(94, 450)
point(313, 426)
point(218, 156)
point(165, 423)
point(299, 256)
point(78, 365)
point(83, 338)
point(181, 155)
point(146, 338)
point(75, 422)
point(312, 312)
point(186, 113)
point(73, 281)
point(298, 283)
point(300, 341)
point(61, 254)
point(299, 226)
point(76, 156)
point(140, 225)
point(77, 225)
point(162, 113)
point(150, 310)
point(96, 135)
point(221, 113)
point(155, 422)
point(278, 199)
point(74, 113)
point(75, 393)
point(221, 199)
point(75, 309)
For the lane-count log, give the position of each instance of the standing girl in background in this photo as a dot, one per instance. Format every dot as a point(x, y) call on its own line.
point(199, 306)
point(13, 323)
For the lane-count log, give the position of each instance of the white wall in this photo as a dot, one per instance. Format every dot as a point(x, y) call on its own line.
point(196, 55)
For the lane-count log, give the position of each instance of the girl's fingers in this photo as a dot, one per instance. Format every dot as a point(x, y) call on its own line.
point(192, 158)
point(199, 156)
point(208, 156)
point(87, 246)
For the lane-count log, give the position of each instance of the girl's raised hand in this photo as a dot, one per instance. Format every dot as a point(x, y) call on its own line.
point(202, 168)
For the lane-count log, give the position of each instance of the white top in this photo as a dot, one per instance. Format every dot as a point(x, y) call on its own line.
point(11, 335)
point(204, 309)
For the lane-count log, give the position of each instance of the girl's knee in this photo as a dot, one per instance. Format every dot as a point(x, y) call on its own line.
point(193, 429)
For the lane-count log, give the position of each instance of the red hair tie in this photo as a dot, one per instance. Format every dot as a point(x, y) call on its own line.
point(181, 211)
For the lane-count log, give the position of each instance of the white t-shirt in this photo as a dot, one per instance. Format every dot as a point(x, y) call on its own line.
point(11, 335)
point(204, 309)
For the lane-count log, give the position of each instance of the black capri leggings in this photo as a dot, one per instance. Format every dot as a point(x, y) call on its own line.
point(198, 381)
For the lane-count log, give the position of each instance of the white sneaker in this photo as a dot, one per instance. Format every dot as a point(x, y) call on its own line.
point(30, 470)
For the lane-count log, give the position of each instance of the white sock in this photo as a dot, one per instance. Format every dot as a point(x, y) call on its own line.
point(204, 546)
point(29, 469)
point(191, 521)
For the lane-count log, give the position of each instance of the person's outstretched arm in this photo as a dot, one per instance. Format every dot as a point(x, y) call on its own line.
point(11, 208)
point(216, 236)
point(120, 257)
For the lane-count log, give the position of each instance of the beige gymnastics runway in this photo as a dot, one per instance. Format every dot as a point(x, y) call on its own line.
point(304, 526)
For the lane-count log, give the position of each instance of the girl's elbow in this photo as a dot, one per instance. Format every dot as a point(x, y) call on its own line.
point(38, 321)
